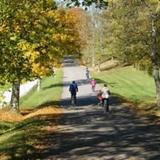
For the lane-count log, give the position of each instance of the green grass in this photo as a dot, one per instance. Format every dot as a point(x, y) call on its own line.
point(50, 92)
point(19, 139)
point(129, 83)
point(22, 139)
point(5, 126)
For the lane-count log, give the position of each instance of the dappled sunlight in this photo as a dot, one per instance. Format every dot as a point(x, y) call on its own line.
point(91, 134)
point(88, 133)
point(84, 131)
point(45, 111)
point(4, 156)
point(9, 116)
point(158, 113)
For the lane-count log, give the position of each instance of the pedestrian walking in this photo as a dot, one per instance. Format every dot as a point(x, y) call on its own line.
point(99, 97)
point(93, 84)
point(73, 89)
point(87, 73)
point(105, 97)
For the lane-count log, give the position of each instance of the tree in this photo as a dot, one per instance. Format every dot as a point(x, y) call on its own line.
point(81, 21)
point(34, 38)
point(129, 38)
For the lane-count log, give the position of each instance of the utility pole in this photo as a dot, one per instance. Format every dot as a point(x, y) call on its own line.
point(93, 35)
point(96, 32)
point(94, 11)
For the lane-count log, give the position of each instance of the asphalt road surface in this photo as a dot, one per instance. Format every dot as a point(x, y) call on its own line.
point(87, 133)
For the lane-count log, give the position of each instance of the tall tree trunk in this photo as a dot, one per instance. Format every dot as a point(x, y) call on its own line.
point(154, 57)
point(15, 96)
point(157, 83)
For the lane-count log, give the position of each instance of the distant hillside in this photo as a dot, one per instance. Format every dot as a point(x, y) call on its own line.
point(107, 65)
point(128, 82)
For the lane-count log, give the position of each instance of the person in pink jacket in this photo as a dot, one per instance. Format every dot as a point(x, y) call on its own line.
point(93, 84)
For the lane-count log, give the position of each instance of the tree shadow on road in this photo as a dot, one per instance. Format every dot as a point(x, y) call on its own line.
point(91, 100)
point(100, 81)
point(87, 133)
point(66, 84)
point(92, 134)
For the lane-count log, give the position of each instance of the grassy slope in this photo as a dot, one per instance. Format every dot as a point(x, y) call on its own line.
point(50, 91)
point(20, 138)
point(130, 83)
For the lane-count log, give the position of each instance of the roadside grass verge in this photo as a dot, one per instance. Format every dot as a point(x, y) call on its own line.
point(21, 135)
point(50, 92)
point(26, 137)
point(22, 138)
point(130, 84)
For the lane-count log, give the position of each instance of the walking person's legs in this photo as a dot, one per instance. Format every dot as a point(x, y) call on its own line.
point(73, 99)
point(93, 88)
point(103, 104)
point(87, 75)
point(106, 104)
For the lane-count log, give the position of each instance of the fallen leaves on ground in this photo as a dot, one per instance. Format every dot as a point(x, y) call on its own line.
point(9, 116)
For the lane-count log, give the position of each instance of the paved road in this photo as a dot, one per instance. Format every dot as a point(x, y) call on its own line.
point(86, 133)
point(72, 71)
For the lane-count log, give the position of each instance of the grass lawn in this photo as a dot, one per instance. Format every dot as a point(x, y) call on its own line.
point(50, 92)
point(24, 135)
point(129, 83)
point(24, 139)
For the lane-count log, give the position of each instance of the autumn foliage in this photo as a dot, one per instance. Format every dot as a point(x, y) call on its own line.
point(7, 116)
point(35, 36)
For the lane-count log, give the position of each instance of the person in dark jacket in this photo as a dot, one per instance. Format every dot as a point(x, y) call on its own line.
point(73, 88)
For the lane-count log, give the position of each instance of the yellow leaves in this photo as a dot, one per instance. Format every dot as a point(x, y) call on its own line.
point(59, 37)
point(55, 63)
point(42, 34)
point(26, 46)
point(158, 7)
point(31, 55)
point(3, 27)
point(50, 2)
point(51, 14)
point(13, 38)
point(154, 5)
point(55, 15)
point(153, 1)
point(43, 20)
point(39, 69)
point(23, 45)
point(6, 115)
point(17, 28)
point(28, 50)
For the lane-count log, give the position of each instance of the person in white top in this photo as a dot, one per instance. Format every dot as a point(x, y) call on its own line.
point(105, 97)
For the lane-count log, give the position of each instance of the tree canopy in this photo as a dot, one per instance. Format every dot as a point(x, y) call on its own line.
point(35, 35)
